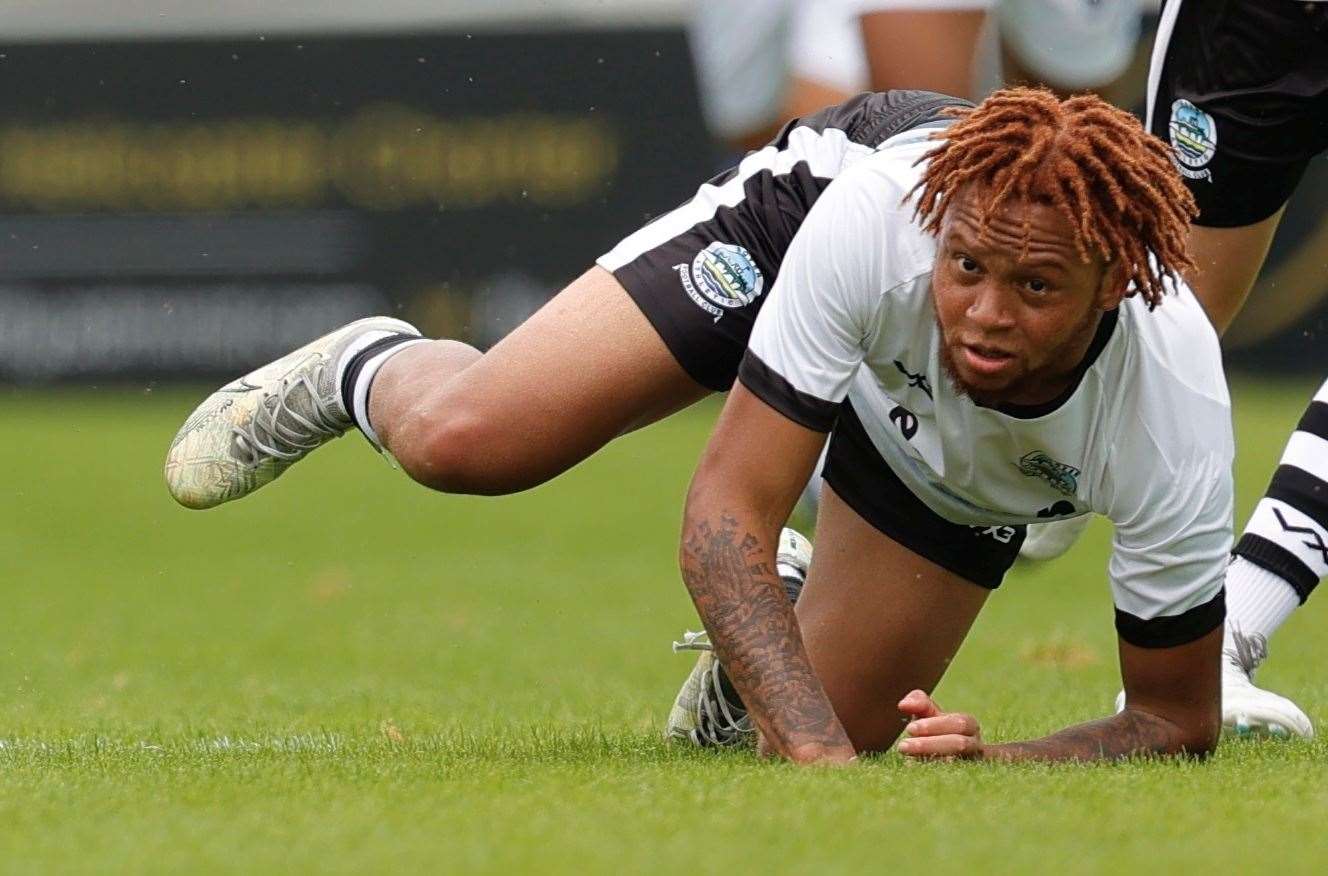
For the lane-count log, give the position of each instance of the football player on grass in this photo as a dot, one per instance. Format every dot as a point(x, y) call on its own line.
point(979, 307)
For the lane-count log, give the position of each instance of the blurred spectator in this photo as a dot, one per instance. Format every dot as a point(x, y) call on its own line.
point(761, 62)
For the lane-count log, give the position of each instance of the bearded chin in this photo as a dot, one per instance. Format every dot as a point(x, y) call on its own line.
point(982, 398)
point(1021, 384)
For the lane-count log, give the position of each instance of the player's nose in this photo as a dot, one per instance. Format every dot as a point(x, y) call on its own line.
point(990, 308)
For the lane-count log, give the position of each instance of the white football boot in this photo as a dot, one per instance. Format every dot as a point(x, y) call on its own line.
point(251, 430)
point(708, 711)
point(1047, 541)
point(1252, 711)
point(1248, 710)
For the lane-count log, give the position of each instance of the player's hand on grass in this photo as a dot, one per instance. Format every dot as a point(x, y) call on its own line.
point(934, 733)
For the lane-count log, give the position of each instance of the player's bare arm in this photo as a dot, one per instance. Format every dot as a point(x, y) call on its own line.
point(747, 482)
point(1174, 708)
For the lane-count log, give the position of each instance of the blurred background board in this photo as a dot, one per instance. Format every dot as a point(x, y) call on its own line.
point(170, 172)
point(157, 195)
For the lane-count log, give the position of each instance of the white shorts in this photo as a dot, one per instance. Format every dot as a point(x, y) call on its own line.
point(826, 45)
point(1072, 43)
point(865, 6)
point(741, 52)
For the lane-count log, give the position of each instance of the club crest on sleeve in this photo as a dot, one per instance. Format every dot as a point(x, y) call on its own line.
point(1193, 139)
point(721, 277)
point(1063, 478)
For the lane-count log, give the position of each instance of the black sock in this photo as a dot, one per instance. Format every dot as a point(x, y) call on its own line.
point(357, 362)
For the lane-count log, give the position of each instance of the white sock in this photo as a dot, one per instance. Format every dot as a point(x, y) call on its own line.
point(1258, 602)
point(358, 406)
point(1283, 553)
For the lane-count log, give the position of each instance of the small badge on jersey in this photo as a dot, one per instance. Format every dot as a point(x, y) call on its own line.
point(723, 276)
point(1193, 139)
point(1063, 478)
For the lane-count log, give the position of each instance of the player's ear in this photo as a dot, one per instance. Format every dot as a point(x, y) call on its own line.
point(1113, 285)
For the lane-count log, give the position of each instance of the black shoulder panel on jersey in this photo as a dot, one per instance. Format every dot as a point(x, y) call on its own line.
point(1172, 630)
point(772, 388)
point(873, 117)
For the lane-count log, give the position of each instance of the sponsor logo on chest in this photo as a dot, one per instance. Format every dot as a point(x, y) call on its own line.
point(1062, 477)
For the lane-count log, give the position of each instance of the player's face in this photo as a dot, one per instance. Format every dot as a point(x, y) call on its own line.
point(1015, 321)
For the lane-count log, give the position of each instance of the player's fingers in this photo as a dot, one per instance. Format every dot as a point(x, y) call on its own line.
point(942, 725)
point(951, 745)
point(918, 704)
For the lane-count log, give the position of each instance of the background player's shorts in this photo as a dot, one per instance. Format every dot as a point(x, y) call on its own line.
point(1072, 43)
point(701, 272)
point(741, 50)
point(866, 7)
point(1240, 91)
point(859, 475)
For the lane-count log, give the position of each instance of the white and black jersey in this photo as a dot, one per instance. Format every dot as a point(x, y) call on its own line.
point(702, 271)
point(812, 229)
point(1143, 437)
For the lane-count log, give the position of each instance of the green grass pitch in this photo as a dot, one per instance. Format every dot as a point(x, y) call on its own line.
point(347, 673)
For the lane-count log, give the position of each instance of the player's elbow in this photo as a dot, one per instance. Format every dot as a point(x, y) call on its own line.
point(1200, 740)
point(1195, 736)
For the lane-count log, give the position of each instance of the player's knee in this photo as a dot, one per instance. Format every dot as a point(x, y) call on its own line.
point(443, 449)
point(458, 449)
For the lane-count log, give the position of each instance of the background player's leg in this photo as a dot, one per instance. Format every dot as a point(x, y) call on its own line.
point(1280, 559)
point(878, 621)
point(927, 49)
point(585, 368)
point(1229, 260)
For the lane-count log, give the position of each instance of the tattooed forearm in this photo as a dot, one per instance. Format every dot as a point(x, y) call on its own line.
point(1129, 733)
point(730, 574)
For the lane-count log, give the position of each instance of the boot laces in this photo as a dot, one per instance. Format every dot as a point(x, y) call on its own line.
point(278, 431)
point(719, 721)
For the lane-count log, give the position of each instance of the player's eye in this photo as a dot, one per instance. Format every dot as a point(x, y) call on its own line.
point(967, 264)
point(1037, 286)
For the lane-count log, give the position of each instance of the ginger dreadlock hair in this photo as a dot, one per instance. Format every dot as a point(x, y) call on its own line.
point(1112, 180)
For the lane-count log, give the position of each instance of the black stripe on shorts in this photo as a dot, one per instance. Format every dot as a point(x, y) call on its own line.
point(860, 476)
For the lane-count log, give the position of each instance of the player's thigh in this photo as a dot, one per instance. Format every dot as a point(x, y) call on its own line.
point(878, 620)
point(584, 368)
point(931, 46)
point(1227, 262)
point(894, 586)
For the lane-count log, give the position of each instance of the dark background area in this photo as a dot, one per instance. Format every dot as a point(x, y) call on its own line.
point(182, 208)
